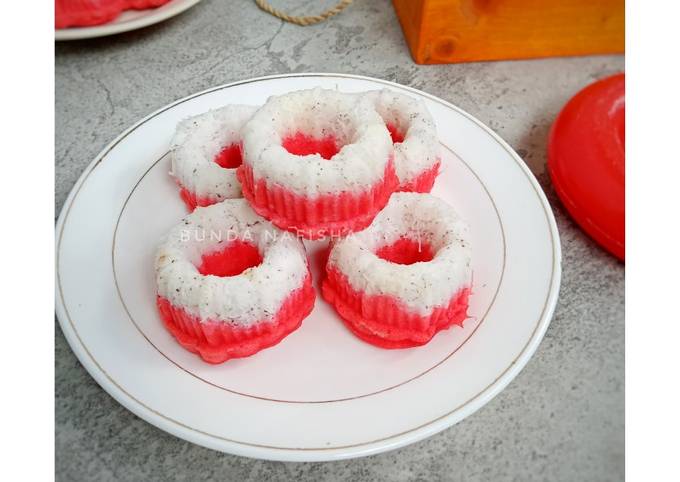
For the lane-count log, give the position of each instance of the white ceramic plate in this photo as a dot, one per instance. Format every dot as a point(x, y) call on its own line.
point(321, 393)
point(126, 21)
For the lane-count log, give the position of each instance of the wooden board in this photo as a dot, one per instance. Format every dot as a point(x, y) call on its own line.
point(445, 31)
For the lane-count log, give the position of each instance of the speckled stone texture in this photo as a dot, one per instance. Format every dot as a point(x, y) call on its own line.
point(562, 418)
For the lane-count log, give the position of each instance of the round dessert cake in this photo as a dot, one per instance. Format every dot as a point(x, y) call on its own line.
point(83, 13)
point(414, 134)
point(229, 283)
point(317, 162)
point(405, 277)
point(206, 152)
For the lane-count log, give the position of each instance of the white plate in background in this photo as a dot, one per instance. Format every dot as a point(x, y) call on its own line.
point(126, 21)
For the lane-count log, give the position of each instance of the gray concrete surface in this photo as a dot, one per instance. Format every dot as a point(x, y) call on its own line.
point(561, 419)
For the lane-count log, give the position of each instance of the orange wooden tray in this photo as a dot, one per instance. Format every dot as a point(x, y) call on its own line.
point(446, 31)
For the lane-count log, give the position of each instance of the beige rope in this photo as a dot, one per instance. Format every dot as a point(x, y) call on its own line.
point(306, 20)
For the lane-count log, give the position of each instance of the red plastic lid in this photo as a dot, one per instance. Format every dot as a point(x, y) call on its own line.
point(587, 161)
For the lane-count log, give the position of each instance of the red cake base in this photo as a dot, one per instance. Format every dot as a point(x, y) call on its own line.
point(217, 341)
point(315, 218)
point(383, 321)
point(192, 201)
point(423, 182)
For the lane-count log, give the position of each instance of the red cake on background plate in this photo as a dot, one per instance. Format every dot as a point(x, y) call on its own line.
point(85, 13)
